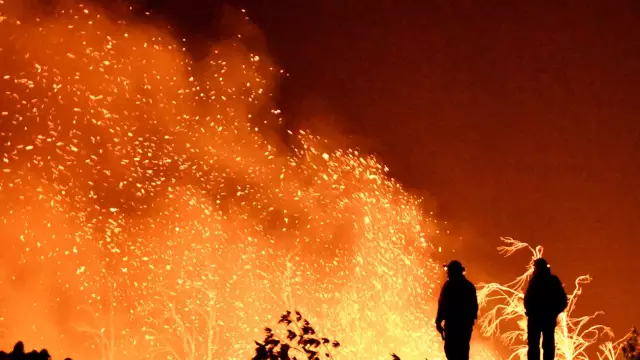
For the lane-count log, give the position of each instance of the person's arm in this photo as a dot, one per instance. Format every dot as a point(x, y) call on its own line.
point(527, 299)
point(563, 301)
point(442, 304)
point(475, 302)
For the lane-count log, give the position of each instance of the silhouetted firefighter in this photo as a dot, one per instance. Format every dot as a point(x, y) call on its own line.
point(458, 308)
point(544, 300)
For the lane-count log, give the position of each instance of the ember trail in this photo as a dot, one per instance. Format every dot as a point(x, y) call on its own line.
point(144, 215)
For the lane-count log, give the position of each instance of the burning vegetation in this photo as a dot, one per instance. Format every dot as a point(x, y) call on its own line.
point(146, 213)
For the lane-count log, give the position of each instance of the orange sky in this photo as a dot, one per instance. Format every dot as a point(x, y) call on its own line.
point(518, 119)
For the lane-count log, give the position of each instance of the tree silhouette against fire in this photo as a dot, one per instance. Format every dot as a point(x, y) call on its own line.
point(504, 304)
point(298, 340)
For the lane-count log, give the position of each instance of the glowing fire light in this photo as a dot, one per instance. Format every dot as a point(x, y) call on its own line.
point(145, 216)
point(506, 303)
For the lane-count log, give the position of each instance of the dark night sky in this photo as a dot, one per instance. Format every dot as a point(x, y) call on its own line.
point(519, 118)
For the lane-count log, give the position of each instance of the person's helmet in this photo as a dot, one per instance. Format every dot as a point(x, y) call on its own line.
point(454, 267)
point(541, 264)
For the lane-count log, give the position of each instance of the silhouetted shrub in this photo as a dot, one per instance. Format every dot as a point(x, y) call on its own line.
point(630, 347)
point(301, 342)
point(18, 354)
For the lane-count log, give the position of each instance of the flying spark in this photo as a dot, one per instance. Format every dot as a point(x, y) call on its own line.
point(145, 214)
point(506, 305)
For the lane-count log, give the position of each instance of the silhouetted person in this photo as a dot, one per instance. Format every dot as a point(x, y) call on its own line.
point(458, 308)
point(544, 300)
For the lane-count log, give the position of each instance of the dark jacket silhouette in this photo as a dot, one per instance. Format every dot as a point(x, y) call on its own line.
point(544, 300)
point(458, 308)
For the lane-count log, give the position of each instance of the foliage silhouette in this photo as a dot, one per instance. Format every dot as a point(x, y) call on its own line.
point(630, 347)
point(18, 354)
point(300, 342)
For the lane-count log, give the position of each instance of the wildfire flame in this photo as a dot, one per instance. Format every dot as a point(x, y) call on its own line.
point(506, 304)
point(144, 214)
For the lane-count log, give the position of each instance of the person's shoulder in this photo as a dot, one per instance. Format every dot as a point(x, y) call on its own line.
point(468, 283)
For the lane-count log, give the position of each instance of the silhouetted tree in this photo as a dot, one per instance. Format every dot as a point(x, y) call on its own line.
point(301, 342)
point(18, 354)
point(630, 348)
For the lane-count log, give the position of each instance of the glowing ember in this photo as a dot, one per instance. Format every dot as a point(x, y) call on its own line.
point(506, 302)
point(145, 216)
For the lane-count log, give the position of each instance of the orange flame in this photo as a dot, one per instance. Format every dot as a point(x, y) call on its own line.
point(506, 304)
point(147, 217)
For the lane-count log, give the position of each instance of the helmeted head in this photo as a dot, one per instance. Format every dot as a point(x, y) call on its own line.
point(454, 268)
point(541, 265)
